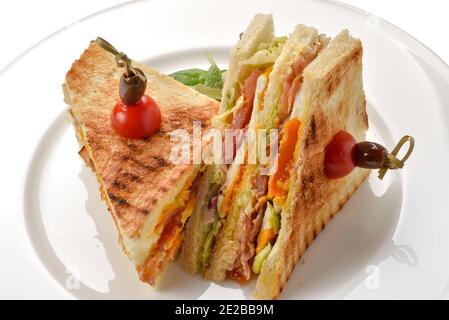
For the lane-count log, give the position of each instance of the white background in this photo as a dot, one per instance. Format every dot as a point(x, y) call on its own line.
point(24, 22)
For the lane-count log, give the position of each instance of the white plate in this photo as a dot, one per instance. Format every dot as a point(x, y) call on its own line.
point(58, 241)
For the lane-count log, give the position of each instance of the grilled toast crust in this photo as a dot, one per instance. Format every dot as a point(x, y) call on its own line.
point(336, 101)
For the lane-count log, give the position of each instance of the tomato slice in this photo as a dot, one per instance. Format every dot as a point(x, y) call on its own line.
point(276, 183)
point(286, 88)
point(242, 116)
point(296, 85)
point(292, 84)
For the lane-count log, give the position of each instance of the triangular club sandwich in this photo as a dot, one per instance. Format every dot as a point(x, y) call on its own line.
point(149, 197)
point(261, 224)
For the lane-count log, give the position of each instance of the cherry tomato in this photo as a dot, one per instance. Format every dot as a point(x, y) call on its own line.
point(340, 155)
point(137, 121)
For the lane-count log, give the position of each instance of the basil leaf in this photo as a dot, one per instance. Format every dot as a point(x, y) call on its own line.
point(190, 77)
point(208, 82)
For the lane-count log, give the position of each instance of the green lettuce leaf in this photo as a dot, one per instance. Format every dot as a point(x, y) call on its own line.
point(208, 244)
point(260, 258)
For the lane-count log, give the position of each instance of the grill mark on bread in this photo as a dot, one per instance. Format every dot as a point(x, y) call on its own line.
point(306, 182)
point(356, 55)
point(117, 200)
point(147, 167)
point(125, 180)
point(118, 184)
point(311, 135)
point(131, 176)
point(313, 127)
point(132, 157)
point(133, 147)
point(338, 74)
point(161, 161)
point(94, 144)
point(155, 163)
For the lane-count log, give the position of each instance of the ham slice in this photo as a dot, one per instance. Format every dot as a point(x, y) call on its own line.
point(248, 233)
point(261, 184)
point(293, 81)
point(209, 214)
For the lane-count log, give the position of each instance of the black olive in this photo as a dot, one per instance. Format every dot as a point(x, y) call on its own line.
point(132, 88)
point(370, 155)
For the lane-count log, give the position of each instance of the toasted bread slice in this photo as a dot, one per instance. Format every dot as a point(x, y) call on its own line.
point(146, 194)
point(235, 241)
point(335, 100)
point(260, 29)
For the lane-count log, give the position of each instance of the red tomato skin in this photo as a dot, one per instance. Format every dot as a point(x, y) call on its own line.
point(243, 115)
point(339, 159)
point(137, 121)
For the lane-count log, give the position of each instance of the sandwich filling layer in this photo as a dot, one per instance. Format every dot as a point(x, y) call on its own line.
point(260, 223)
point(244, 104)
point(279, 182)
